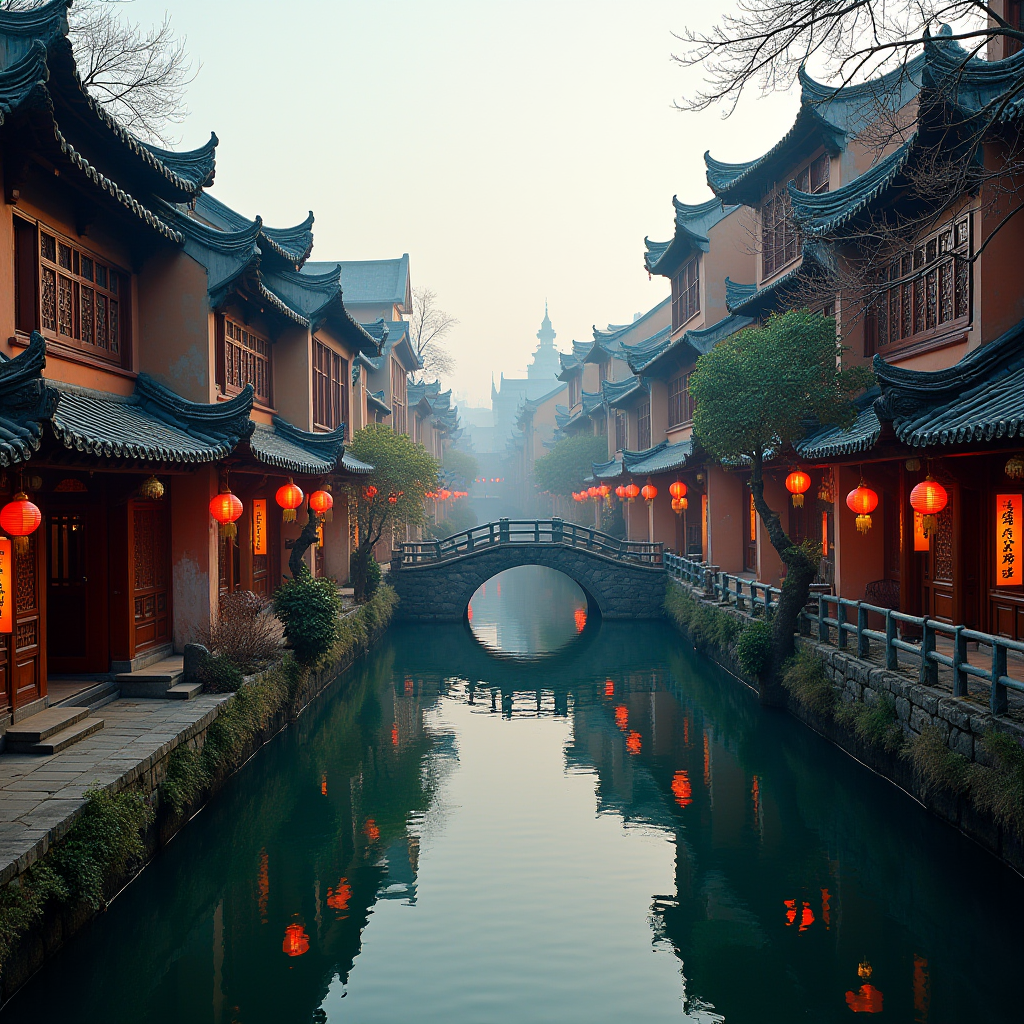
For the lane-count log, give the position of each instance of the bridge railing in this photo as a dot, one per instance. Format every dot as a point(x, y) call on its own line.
point(529, 531)
point(838, 621)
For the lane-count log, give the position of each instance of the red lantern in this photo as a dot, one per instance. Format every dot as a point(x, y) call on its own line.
point(369, 493)
point(929, 498)
point(863, 501)
point(620, 492)
point(321, 502)
point(604, 490)
point(225, 508)
point(678, 489)
point(798, 483)
point(650, 492)
point(393, 498)
point(19, 518)
point(631, 491)
point(445, 494)
point(289, 497)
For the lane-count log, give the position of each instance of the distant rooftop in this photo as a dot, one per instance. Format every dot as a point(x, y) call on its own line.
point(370, 282)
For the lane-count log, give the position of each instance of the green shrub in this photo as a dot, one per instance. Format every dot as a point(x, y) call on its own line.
point(187, 776)
point(309, 609)
point(754, 647)
point(705, 624)
point(804, 677)
point(878, 724)
point(219, 674)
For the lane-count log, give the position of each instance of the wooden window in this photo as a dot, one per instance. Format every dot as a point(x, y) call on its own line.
point(686, 292)
point(643, 426)
point(398, 397)
point(574, 390)
point(246, 361)
point(602, 370)
point(680, 404)
point(780, 239)
point(928, 291)
point(330, 387)
point(621, 430)
point(69, 295)
point(1013, 19)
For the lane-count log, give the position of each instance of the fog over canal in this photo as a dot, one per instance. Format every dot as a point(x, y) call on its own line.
point(595, 825)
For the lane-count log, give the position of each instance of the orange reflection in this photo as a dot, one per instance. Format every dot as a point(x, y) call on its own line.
point(755, 793)
point(499, 590)
point(609, 688)
point(806, 917)
point(826, 907)
point(337, 899)
point(371, 831)
point(633, 742)
point(469, 612)
point(622, 717)
point(707, 761)
point(922, 989)
point(686, 732)
point(867, 999)
point(681, 789)
point(408, 687)
point(580, 616)
point(323, 784)
point(394, 735)
point(296, 941)
point(790, 906)
point(263, 885)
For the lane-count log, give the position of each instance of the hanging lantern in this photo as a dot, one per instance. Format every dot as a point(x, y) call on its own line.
point(677, 489)
point(225, 508)
point(1014, 468)
point(863, 501)
point(650, 492)
point(369, 493)
point(289, 497)
point(321, 502)
point(392, 498)
point(631, 492)
point(929, 498)
point(445, 494)
point(151, 489)
point(679, 505)
point(798, 483)
point(620, 492)
point(19, 518)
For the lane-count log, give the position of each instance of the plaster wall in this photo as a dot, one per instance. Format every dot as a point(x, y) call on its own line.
point(193, 553)
point(859, 558)
point(726, 519)
point(293, 377)
point(769, 564)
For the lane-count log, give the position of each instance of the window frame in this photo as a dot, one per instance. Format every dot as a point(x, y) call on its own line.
point(680, 402)
point(777, 215)
point(399, 397)
point(686, 291)
point(229, 387)
point(330, 387)
point(643, 425)
point(621, 430)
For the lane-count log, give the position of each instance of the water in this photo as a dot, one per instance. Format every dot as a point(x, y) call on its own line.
point(612, 832)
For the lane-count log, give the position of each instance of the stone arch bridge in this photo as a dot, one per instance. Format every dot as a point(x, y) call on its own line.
point(435, 580)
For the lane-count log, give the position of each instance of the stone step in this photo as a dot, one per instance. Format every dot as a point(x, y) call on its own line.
point(45, 724)
point(184, 691)
point(153, 681)
point(58, 741)
point(92, 698)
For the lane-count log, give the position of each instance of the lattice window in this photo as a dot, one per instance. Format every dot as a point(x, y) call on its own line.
point(928, 290)
point(680, 404)
point(246, 361)
point(621, 430)
point(330, 387)
point(82, 300)
point(686, 292)
point(643, 426)
point(780, 239)
point(398, 398)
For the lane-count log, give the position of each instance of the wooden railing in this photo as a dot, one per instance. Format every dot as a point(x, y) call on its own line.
point(849, 619)
point(528, 531)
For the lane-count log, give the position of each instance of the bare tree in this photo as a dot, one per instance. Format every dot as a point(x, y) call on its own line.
point(139, 74)
point(430, 327)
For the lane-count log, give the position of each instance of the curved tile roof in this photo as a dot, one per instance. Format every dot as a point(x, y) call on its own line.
point(26, 402)
point(693, 224)
point(699, 341)
point(832, 442)
point(352, 465)
point(291, 245)
point(285, 446)
point(662, 458)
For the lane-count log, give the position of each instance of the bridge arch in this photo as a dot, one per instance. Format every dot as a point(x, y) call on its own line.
point(436, 580)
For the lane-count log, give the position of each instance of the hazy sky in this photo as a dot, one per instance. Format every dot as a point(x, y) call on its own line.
point(516, 149)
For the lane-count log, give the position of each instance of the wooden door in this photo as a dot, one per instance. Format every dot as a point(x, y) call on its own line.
point(149, 549)
point(28, 659)
point(940, 575)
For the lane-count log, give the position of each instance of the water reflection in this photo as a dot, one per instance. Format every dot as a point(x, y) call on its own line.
point(527, 613)
point(424, 846)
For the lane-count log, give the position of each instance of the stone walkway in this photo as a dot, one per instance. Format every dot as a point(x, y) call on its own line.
point(40, 795)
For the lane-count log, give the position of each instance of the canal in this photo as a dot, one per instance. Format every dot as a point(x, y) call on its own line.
point(538, 817)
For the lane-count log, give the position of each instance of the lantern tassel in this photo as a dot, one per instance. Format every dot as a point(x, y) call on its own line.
point(21, 546)
point(288, 515)
point(863, 524)
point(798, 501)
point(929, 524)
point(329, 516)
point(228, 531)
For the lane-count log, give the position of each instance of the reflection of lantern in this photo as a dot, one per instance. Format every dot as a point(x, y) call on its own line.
point(863, 501)
point(634, 742)
point(798, 483)
point(620, 492)
point(929, 498)
point(20, 517)
point(631, 492)
point(289, 497)
point(225, 508)
point(296, 941)
point(321, 502)
point(650, 492)
point(677, 489)
point(681, 788)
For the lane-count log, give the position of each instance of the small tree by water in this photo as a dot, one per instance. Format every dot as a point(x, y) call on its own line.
point(755, 395)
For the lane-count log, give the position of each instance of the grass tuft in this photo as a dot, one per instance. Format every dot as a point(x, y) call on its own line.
point(805, 679)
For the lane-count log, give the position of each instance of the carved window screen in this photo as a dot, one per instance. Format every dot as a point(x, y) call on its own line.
point(246, 361)
point(643, 426)
point(330, 387)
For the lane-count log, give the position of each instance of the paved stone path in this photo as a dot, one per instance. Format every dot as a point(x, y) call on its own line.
point(40, 794)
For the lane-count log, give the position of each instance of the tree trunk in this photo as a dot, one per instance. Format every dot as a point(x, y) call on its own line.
point(304, 542)
point(358, 570)
point(796, 587)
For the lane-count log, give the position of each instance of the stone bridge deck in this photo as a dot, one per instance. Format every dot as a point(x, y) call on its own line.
point(435, 580)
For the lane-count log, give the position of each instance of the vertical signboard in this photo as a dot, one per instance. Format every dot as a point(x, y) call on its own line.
point(1009, 571)
point(259, 526)
point(6, 587)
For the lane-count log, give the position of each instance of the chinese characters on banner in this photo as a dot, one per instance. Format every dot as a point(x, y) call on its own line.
point(920, 537)
point(1009, 570)
point(6, 587)
point(259, 526)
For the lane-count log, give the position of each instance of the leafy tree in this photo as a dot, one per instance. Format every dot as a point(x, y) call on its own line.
point(756, 393)
point(462, 465)
point(392, 495)
point(462, 517)
point(572, 459)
